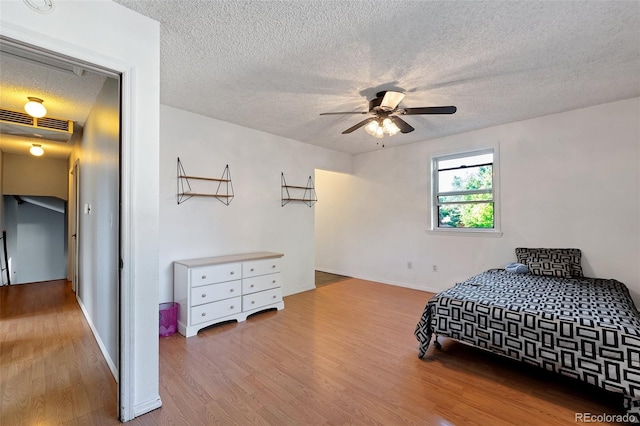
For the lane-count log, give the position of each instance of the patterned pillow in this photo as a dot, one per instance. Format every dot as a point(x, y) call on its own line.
point(572, 256)
point(553, 268)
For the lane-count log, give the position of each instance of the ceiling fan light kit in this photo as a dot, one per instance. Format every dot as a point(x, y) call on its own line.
point(385, 110)
point(35, 108)
point(378, 128)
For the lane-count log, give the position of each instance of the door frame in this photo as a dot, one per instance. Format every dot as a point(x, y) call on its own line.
point(75, 211)
point(125, 311)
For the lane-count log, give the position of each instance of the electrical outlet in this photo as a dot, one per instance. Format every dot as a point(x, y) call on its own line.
point(409, 265)
point(435, 268)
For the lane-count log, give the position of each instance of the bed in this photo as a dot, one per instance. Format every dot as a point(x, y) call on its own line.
point(551, 317)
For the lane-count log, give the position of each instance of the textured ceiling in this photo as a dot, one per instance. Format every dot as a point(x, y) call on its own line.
point(275, 65)
point(67, 95)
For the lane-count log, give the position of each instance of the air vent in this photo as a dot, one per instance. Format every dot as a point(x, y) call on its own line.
point(16, 117)
point(53, 123)
point(20, 124)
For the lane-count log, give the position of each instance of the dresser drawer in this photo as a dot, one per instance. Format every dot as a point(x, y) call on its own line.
point(214, 274)
point(260, 267)
point(213, 310)
point(262, 298)
point(215, 292)
point(261, 283)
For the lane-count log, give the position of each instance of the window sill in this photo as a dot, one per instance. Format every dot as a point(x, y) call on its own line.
point(466, 232)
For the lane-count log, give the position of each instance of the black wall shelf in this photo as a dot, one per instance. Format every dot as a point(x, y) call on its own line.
point(224, 191)
point(308, 196)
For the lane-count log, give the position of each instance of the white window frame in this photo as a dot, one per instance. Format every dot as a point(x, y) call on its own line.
point(492, 232)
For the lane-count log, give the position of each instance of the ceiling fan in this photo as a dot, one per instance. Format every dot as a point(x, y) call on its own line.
point(385, 114)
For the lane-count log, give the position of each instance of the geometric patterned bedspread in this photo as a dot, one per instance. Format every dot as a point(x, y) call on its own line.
point(585, 328)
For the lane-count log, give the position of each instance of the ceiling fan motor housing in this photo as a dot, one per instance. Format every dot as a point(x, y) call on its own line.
point(375, 102)
point(385, 102)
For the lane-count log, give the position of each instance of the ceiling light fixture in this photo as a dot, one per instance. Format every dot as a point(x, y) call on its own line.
point(35, 108)
point(36, 150)
point(379, 127)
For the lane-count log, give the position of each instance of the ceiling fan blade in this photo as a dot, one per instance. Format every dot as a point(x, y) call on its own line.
point(430, 110)
point(357, 126)
point(341, 113)
point(402, 125)
point(391, 100)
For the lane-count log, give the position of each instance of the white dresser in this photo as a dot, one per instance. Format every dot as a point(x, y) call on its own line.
point(222, 288)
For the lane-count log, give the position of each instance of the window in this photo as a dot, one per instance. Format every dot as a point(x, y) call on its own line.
point(464, 195)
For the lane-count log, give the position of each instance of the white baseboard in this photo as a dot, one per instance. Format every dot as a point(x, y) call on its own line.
point(332, 271)
point(103, 348)
point(145, 407)
point(299, 290)
point(378, 280)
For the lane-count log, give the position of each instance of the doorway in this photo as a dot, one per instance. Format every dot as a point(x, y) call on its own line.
point(93, 227)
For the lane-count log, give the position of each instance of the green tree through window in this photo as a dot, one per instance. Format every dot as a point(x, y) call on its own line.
point(465, 191)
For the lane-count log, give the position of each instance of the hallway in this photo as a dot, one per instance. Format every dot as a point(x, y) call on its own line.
point(51, 368)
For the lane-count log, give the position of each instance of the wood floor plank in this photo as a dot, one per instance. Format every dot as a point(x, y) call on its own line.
point(44, 345)
point(346, 354)
point(343, 354)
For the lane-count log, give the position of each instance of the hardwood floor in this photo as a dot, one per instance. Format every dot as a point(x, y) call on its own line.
point(346, 354)
point(341, 354)
point(326, 278)
point(51, 369)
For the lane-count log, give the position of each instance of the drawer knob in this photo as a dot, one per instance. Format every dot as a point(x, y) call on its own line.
point(231, 290)
point(253, 301)
point(251, 286)
point(204, 295)
point(231, 307)
point(273, 266)
point(251, 269)
point(204, 277)
point(274, 281)
point(274, 296)
point(204, 314)
point(231, 272)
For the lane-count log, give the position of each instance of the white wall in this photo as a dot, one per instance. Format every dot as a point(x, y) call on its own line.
point(567, 180)
point(98, 153)
point(40, 244)
point(31, 229)
point(255, 219)
point(39, 253)
point(105, 33)
point(39, 176)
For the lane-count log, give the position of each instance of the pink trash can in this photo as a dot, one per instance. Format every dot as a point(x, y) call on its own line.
point(168, 318)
